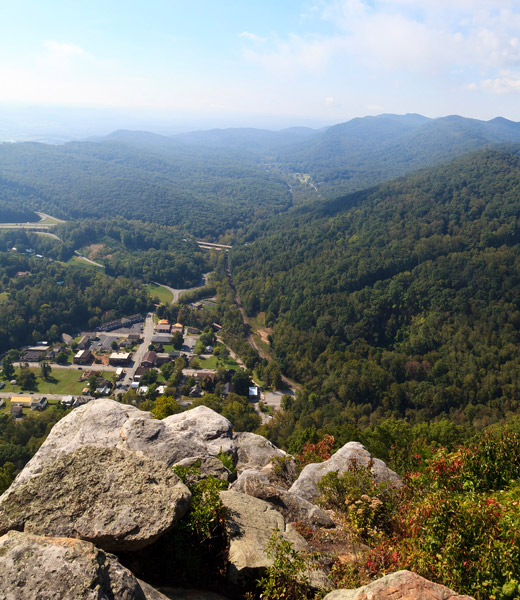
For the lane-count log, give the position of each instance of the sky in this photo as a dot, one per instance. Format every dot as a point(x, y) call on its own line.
point(251, 62)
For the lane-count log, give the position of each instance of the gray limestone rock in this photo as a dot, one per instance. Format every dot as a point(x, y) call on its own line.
point(401, 584)
point(205, 429)
point(105, 495)
point(105, 423)
point(306, 484)
point(250, 522)
point(292, 507)
point(255, 452)
point(34, 567)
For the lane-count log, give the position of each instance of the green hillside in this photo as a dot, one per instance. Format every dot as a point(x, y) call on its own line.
point(402, 301)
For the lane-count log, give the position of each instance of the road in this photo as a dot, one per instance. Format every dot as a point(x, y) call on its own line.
point(178, 293)
point(93, 367)
point(140, 352)
point(292, 385)
point(92, 262)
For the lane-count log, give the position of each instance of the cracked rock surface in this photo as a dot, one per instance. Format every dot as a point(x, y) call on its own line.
point(111, 497)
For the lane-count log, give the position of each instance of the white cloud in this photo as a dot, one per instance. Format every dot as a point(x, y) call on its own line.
point(428, 37)
point(253, 37)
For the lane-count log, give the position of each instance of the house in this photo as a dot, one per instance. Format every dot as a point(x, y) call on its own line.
point(17, 412)
point(192, 331)
point(177, 328)
point(68, 401)
point(135, 337)
point(163, 326)
point(84, 342)
point(120, 372)
point(34, 353)
point(142, 389)
point(160, 390)
point(161, 338)
point(22, 273)
point(83, 357)
point(254, 393)
point(39, 403)
point(119, 359)
point(23, 401)
point(165, 357)
point(196, 392)
point(149, 359)
point(139, 372)
point(227, 389)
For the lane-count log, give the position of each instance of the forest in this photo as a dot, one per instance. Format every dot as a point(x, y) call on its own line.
point(397, 302)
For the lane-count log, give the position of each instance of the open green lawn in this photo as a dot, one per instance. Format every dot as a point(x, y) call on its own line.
point(164, 295)
point(76, 260)
point(61, 381)
point(49, 221)
point(213, 362)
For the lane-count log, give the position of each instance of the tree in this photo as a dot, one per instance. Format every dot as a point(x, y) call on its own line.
point(241, 382)
point(177, 340)
point(113, 345)
point(45, 370)
point(165, 406)
point(62, 357)
point(7, 367)
point(26, 379)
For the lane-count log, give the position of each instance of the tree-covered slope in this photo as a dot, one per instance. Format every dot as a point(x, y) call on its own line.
point(363, 152)
point(204, 191)
point(401, 300)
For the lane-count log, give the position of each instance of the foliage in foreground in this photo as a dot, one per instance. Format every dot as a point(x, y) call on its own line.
point(456, 521)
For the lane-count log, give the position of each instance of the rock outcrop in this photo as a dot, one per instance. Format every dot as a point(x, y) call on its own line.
point(306, 485)
point(49, 568)
point(291, 506)
point(255, 452)
point(404, 585)
point(105, 495)
point(250, 523)
point(106, 423)
point(207, 466)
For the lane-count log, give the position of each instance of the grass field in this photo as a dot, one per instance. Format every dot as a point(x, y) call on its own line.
point(164, 295)
point(61, 381)
point(49, 221)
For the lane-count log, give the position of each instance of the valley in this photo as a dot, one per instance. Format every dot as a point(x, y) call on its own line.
point(359, 283)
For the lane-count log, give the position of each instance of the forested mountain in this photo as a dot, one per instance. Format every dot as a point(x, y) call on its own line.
point(218, 182)
point(203, 191)
point(403, 300)
point(358, 154)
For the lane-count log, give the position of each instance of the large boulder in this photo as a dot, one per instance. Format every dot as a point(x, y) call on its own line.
point(250, 522)
point(207, 431)
point(50, 568)
point(404, 585)
point(292, 507)
point(105, 423)
point(255, 452)
point(306, 485)
point(111, 497)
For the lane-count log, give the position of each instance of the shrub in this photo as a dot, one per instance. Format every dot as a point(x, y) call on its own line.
point(285, 578)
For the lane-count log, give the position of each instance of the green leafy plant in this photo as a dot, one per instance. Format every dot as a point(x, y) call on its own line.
point(286, 578)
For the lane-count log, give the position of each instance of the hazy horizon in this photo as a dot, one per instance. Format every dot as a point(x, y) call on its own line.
point(171, 66)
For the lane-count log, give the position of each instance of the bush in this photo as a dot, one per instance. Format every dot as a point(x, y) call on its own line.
point(285, 578)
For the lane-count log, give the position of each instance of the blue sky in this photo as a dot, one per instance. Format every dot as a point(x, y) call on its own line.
point(325, 61)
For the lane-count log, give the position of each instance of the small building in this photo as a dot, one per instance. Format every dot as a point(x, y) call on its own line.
point(135, 337)
point(196, 392)
point(177, 328)
point(120, 372)
point(149, 359)
point(34, 353)
point(84, 342)
point(119, 359)
point(68, 401)
point(192, 331)
point(83, 357)
point(142, 389)
point(165, 357)
point(161, 338)
point(254, 393)
point(160, 389)
point(17, 412)
point(163, 326)
point(39, 403)
point(23, 401)
point(227, 389)
point(139, 372)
